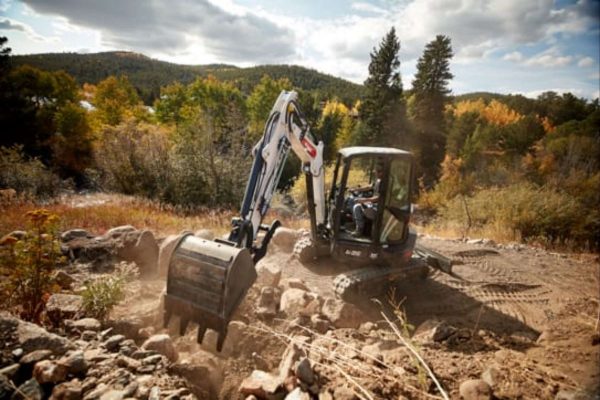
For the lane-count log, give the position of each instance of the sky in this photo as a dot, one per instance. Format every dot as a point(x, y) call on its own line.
point(504, 46)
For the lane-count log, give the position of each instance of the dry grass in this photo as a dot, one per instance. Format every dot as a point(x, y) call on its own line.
point(100, 212)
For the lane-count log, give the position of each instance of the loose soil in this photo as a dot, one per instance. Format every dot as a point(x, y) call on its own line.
point(530, 313)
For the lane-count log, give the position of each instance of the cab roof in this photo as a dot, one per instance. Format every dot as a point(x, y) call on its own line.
point(372, 151)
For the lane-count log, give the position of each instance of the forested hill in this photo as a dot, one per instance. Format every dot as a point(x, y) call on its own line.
point(148, 75)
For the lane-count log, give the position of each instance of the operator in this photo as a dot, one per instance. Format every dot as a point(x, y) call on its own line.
point(366, 207)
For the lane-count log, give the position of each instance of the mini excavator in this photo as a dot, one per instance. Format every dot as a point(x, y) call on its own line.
point(207, 279)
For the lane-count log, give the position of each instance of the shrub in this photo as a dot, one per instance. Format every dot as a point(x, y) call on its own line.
point(525, 211)
point(102, 294)
point(27, 264)
point(27, 176)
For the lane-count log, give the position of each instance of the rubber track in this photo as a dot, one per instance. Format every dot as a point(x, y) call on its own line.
point(371, 281)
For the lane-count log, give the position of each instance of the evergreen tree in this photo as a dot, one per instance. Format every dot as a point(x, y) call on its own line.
point(383, 110)
point(430, 88)
point(4, 55)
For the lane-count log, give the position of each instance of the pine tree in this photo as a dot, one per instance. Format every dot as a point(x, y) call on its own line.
point(383, 110)
point(430, 88)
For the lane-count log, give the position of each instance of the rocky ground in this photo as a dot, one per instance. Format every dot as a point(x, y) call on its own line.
point(511, 322)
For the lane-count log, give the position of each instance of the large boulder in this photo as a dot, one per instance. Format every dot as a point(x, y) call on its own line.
point(31, 337)
point(167, 247)
point(285, 238)
point(47, 371)
point(342, 314)
point(62, 306)
point(123, 243)
point(140, 247)
point(162, 344)
point(267, 303)
point(269, 273)
point(298, 302)
point(203, 372)
point(262, 385)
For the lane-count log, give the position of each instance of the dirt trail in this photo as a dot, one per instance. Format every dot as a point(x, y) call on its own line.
point(541, 304)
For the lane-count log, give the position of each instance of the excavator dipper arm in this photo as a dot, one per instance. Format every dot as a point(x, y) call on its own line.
point(208, 279)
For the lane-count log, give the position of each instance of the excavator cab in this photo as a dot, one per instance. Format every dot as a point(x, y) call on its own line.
point(369, 205)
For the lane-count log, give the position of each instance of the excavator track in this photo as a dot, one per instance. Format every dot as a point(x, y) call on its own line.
point(373, 281)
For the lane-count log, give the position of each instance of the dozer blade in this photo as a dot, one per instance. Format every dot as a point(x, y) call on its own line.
point(206, 282)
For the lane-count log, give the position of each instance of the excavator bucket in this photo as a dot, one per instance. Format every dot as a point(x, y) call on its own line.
point(206, 282)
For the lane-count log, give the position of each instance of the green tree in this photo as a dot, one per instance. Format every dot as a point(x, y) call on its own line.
point(4, 55)
point(261, 100)
point(430, 88)
point(115, 100)
point(383, 109)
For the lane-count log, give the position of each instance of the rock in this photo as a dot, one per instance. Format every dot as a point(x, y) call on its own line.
point(293, 353)
point(234, 341)
point(47, 371)
point(434, 330)
point(268, 273)
point(146, 332)
point(113, 395)
point(475, 389)
point(165, 251)
point(67, 391)
point(30, 359)
point(261, 384)
point(141, 248)
point(376, 351)
point(153, 359)
point(285, 239)
point(30, 390)
point(71, 234)
point(31, 337)
point(205, 234)
point(18, 353)
point(75, 363)
point(63, 306)
point(299, 302)
point(342, 314)
point(304, 372)
point(266, 306)
point(294, 283)
point(88, 336)
point(127, 362)
point(161, 344)
point(113, 342)
point(97, 391)
point(319, 323)
point(6, 387)
point(203, 373)
point(119, 231)
point(85, 324)
point(154, 393)
point(128, 327)
point(297, 394)
point(491, 376)
point(63, 279)
point(570, 395)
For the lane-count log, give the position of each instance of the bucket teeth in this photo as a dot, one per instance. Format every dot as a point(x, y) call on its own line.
point(166, 319)
point(183, 324)
point(201, 332)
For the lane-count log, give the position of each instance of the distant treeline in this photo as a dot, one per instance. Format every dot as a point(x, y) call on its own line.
point(148, 75)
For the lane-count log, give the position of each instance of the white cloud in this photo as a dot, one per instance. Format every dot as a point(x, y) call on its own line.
point(515, 56)
point(586, 62)
point(9, 24)
point(549, 58)
point(368, 7)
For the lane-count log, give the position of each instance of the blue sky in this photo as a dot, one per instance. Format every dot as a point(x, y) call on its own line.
point(506, 46)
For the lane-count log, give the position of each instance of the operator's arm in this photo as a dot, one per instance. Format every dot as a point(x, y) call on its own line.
point(363, 200)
